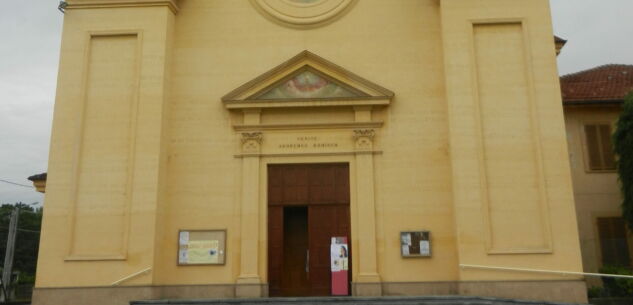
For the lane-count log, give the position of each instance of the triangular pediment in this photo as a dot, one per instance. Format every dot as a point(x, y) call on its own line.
point(307, 83)
point(306, 78)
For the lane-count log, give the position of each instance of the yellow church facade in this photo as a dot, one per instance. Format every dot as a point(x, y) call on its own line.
point(213, 149)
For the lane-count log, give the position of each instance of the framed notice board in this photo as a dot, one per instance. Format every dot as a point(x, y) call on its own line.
point(415, 244)
point(201, 247)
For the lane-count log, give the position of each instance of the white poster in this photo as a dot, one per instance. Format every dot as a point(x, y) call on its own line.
point(405, 250)
point(184, 238)
point(183, 256)
point(406, 239)
point(339, 257)
point(425, 247)
point(203, 252)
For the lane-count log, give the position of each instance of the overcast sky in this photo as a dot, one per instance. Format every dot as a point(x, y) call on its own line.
point(599, 32)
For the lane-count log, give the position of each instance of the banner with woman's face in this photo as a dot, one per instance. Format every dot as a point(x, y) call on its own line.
point(339, 253)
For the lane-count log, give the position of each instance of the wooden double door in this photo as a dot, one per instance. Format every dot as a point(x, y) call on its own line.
point(308, 204)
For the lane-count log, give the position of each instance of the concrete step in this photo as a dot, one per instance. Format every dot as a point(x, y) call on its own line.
point(427, 300)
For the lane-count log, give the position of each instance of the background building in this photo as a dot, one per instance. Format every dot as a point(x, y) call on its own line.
point(593, 101)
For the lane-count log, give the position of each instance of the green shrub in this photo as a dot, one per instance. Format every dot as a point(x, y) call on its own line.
point(617, 287)
point(623, 148)
point(596, 292)
point(26, 279)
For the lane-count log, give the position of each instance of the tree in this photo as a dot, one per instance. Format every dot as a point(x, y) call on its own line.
point(623, 148)
point(27, 239)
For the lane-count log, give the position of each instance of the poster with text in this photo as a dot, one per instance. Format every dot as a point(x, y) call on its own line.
point(201, 247)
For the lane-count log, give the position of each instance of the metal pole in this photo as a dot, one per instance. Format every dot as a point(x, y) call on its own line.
point(8, 257)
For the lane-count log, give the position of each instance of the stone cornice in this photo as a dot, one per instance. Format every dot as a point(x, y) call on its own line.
point(79, 4)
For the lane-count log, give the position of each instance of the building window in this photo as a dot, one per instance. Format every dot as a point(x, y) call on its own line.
point(613, 241)
point(599, 147)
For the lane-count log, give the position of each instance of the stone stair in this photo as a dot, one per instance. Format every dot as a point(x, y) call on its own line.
point(429, 300)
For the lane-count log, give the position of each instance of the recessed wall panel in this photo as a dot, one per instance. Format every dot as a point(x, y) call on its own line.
point(513, 203)
point(106, 143)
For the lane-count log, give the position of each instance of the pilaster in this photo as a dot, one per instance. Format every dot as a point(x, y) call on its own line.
point(249, 280)
point(368, 280)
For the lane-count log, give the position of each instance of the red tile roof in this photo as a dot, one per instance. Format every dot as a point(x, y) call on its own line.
point(609, 83)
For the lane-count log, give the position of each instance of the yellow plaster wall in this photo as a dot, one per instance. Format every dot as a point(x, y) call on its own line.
point(470, 131)
point(403, 55)
point(108, 125)
point(427, 176)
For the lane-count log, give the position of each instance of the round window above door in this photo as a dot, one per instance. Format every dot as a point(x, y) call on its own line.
point(303, 13)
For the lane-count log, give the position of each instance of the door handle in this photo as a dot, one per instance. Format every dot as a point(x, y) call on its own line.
point(308, 261)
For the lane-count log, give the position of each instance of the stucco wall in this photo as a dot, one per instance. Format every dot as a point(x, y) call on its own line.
point(597, 193)
point(477, 164)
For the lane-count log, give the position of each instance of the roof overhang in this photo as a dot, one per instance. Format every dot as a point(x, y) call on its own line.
point(39, 182)
point(248, 96)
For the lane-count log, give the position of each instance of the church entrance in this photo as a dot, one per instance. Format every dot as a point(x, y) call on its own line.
point(308, 204)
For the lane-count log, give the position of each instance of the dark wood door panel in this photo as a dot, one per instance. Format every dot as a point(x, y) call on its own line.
point(342, 187)
point(322, 185)
point(307, 184)
point(296, 181)
point(325, 222)
point(275, 248)
point(288, 185)
point(322, 190)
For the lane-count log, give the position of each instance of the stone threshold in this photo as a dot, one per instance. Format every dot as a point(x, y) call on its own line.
point(422, 300)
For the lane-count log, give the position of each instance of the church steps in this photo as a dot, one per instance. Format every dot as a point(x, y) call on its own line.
point(428, 300)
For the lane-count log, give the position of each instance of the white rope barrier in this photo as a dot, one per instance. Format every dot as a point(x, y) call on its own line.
point(131, 276)
point(465, 266)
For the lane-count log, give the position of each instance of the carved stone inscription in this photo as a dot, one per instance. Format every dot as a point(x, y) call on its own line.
point(308, 142)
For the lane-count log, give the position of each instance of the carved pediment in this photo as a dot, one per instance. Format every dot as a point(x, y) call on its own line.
point(307, 83)
point(307, 80)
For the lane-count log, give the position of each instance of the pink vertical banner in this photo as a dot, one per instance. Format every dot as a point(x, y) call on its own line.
point(339, 263)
